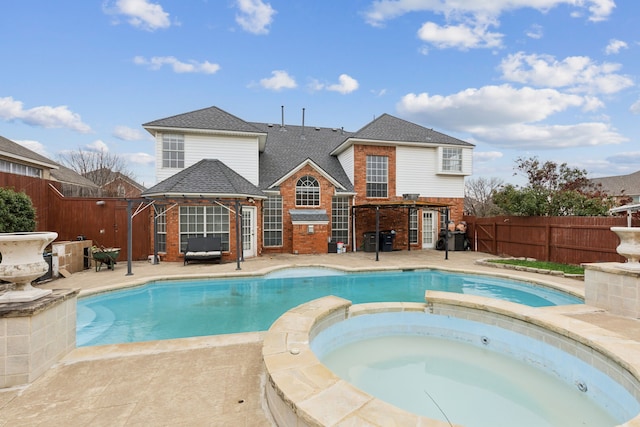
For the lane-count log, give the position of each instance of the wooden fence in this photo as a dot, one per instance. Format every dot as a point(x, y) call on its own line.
point(102, 220)
point(567, 240)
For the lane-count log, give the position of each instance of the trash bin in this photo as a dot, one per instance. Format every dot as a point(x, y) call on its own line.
point(458, 240)
point(370, 241)
point(332, 247)
point(386, 240)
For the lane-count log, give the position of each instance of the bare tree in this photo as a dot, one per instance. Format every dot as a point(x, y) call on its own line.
point(101, 167)
point(478, 196)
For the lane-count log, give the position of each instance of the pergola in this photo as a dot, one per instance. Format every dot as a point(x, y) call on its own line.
point(233, 205)
point(408, 204)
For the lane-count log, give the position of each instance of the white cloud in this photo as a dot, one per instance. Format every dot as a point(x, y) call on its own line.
point(35, 146)
point(631, 157)
point(486, 156)
point(384, 10)
point(280, 80)
point(128, 134)
point(140, 158)
point(615, 46)
point(505, 116)
point(98, 146)
point(43, 116)
point(156, 62)
point(140, 13)
point(459, 36)
point(255, 16)
point(576, 73)
point(489, 106)
point(347, 84)
point(535, 32)
point(635, 107)
point(524, 136)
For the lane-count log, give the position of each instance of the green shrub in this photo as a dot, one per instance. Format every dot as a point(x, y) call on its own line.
point(17, 213)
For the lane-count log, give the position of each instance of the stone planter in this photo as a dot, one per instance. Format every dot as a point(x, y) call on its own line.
point(629, 246)
point(22, 262)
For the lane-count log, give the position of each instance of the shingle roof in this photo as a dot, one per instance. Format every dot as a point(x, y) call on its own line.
point(14, 149)
point(287, 149)
point(622, 185)
point(390, 128)
point(207, 178)
point(212, 118)
point(69, 176)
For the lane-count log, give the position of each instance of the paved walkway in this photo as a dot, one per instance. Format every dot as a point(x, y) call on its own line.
point(207, 381)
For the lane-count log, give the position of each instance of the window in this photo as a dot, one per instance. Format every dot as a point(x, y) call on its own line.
point(202, 221)
point(161, 230)
point(20, 169)
point(272, 221)
point(307, 191)
point(413, 226)
point(340, 219)
point(172, 151)
point(377, 176)
point(452, 159)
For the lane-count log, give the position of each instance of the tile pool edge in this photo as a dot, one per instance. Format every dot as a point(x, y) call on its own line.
point(302, 391)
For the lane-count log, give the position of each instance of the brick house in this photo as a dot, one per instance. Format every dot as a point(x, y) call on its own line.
point(280, 188)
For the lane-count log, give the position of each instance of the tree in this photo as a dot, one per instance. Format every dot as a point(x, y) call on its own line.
point(552, 190)
point(478, 196)
point(101, 167)
point(17, 213)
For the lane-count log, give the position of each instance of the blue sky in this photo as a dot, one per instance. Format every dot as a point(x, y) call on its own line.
point(556, 79)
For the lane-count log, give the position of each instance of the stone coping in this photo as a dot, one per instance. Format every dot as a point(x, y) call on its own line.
point(302, 391)
point(25, 309)
point(613, 267)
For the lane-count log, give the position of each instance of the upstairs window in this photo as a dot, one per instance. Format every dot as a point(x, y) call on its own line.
point(452, 160)
point(172, 151)
point(307, 191)
point(377, 176)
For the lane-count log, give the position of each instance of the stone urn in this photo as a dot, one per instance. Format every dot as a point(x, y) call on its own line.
point(22, 262)
point(629, 246)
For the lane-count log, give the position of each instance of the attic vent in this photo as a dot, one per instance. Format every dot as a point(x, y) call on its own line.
point(317, 128)
point(335, 129)
point(270, 125)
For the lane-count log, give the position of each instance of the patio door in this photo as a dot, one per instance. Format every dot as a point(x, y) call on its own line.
point(429, 222)
point(248, 231)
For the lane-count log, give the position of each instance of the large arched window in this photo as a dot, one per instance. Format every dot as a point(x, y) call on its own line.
point(307, 191)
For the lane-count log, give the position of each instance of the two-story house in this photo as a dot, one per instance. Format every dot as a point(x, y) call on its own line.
point(280, 188)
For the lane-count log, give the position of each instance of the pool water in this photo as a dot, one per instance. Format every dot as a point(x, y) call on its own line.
point(462, 383)
point(178, 309)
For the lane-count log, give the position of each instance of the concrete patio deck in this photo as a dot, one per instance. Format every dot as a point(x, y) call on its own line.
point(208, 381)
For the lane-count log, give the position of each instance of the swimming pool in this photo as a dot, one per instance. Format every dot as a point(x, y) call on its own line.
point(178, 309)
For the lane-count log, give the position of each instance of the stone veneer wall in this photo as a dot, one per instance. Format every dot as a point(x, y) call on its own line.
point(35, 335)
point(608, 285)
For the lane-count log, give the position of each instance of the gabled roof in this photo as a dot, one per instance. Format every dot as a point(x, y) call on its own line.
point(209, 178)
point(390, 129)
point(69, 176)
point(16, 151)
point(622, 185)
point(212, 118)
point(289, 147)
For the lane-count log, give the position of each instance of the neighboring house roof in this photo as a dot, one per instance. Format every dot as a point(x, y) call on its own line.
point(388, 128)
point(68, 176)
point(112, 177)
point(209, 178)
point(290, 146)
point(16, 151)
point(622, 185)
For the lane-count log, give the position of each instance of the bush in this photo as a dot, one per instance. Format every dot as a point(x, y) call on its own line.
point(17, 213)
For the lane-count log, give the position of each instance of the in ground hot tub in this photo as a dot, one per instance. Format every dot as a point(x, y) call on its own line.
point(459, 359)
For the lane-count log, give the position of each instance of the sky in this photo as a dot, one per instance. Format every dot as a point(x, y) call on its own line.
point(552, 79)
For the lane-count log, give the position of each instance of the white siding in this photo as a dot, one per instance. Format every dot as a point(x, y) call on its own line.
point(238, 153)
point(346, 160)
point(416, 173)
